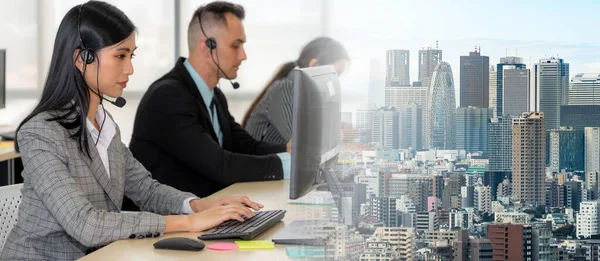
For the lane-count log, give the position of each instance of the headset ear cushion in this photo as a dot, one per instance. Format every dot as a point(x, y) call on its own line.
point(211, 43)
point(87, 56)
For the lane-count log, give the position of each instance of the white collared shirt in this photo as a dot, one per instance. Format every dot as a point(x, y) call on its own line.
point(109, 131)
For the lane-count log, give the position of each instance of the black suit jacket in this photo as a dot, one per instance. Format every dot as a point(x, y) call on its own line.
point(173, 138)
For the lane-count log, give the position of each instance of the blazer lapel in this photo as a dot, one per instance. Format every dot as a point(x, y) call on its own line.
point(99, 172)
point(193, 89)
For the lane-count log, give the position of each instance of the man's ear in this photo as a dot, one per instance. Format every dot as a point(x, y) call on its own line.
point(312, 62)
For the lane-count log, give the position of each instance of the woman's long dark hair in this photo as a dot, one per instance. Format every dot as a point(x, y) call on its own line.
point(324, 49)
point(93, 25)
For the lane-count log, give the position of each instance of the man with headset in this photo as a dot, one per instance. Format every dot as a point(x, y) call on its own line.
point(183, 131)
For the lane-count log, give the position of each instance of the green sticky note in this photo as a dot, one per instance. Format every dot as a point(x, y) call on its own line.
point(255, 244)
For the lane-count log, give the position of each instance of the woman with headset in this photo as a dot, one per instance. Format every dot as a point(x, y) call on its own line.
point(76, 169)
point(269, 117)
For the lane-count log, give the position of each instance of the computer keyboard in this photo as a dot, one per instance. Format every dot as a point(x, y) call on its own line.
point(246, 230)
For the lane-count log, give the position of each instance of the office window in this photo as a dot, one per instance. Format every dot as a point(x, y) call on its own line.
point(18, 27)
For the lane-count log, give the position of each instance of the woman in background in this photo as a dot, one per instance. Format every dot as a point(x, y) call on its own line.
point(269, 118)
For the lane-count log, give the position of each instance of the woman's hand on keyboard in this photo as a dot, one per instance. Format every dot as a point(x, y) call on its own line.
point(214, 216)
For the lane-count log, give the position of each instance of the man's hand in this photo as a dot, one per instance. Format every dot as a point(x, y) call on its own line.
point(289, 147)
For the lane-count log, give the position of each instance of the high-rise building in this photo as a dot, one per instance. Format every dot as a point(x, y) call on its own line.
point(500, 144)
point(483, 199)
point(552, 84)
point(588, 219)
point(441, 130)
point(418, 192)
point(515, 85)
point(471, 249)
point(528, 158)
point(364, 117)
point(385, 128)
point(592, 149)
point(397, 72)
point(472, 129)
point(428, 60)
point(493, 178)
point(511, 242)
point(474, 80)
point(580, 116)
point(376, 83)
point(401, 240)
point(511, 63)
point(575, 193)
point(411, 126)
point(493, 86)
point(555, 194)
point(567, 149)
point(399, 97)
point(584, 89)
point(467, 196)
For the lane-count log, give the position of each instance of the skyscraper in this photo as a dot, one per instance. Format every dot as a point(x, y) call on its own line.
point(500, 144)
point(428, 60)
point(511, 63)
point(441, 129)
point(588, 221)
point(552, 83)
point(529, 158)
point(386, 130)
point(567, 149)
point(376, 83)
point(411, 126)
point(474, 80)
point(515, 85)
point(401, 96)
point(592, 149)
point(493, 83)
point(397, 68)
point(584, 89)
point(472, 129)
point(580, 116)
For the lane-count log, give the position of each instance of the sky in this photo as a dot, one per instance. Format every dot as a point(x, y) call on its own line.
point(529, 29)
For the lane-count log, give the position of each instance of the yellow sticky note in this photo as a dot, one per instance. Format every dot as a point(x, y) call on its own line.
point(255, 244)
point(6, 144)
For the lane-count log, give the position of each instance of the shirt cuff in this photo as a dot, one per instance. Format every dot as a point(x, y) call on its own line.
point(286, 161)
point(187, 208)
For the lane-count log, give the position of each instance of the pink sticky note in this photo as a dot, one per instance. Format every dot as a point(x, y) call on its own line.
point(223, 246)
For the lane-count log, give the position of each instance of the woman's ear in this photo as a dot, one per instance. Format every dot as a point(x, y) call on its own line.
point(77, 59)
point(312, 62)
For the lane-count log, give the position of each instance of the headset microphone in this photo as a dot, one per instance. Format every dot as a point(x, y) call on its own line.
point(119, 102)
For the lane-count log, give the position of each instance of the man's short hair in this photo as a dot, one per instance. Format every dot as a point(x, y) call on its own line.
point(212, 14)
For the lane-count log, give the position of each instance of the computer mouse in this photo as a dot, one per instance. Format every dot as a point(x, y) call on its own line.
point(179, 243)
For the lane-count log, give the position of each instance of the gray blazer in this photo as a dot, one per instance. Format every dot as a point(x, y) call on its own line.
point(70, 206)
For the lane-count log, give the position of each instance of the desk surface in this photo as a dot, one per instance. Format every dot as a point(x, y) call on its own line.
point(7, 151)
point(272, 194)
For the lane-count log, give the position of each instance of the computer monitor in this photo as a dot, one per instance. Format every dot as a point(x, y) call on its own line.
point(2, 78)
point(315, 128)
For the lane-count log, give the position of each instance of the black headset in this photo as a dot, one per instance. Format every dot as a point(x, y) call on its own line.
point(87, 55)
point(211, 43)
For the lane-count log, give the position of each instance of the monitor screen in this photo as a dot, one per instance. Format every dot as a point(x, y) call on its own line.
point(2, 78)
point(315, 126)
